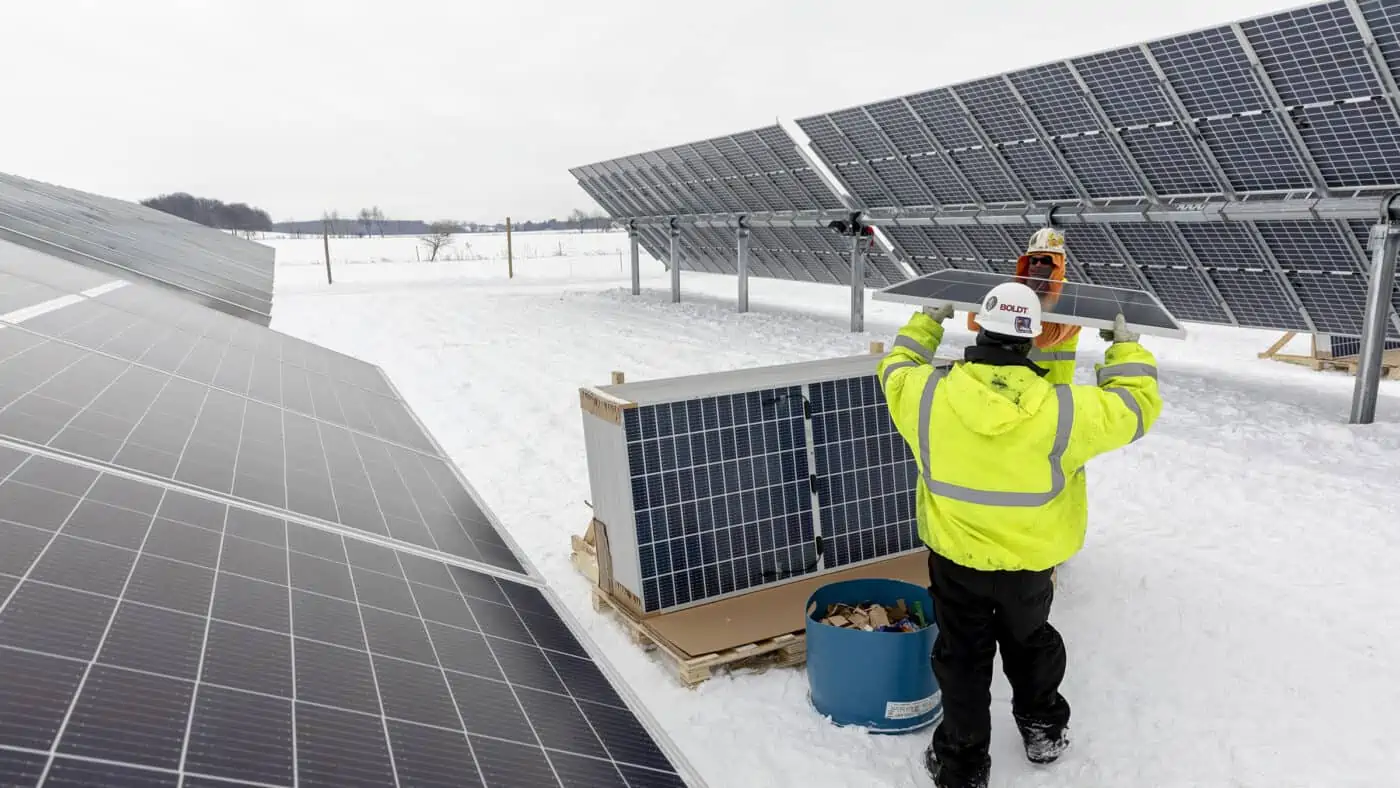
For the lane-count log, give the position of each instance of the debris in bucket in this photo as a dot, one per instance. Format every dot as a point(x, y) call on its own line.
point(872, 617)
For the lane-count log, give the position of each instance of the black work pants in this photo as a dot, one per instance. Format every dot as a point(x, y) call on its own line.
point(977, 611)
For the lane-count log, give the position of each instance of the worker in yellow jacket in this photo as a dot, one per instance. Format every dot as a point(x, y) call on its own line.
point(1042, 268)
point(1001, 501)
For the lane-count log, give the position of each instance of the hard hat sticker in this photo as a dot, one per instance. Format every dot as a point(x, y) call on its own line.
point(1023, 324)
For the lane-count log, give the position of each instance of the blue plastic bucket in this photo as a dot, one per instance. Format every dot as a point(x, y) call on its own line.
point(882, 681)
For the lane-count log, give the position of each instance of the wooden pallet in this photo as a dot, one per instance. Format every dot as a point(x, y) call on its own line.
point(584, 555)
point(1390, 360)
point(786, 650)
point(1349, 365)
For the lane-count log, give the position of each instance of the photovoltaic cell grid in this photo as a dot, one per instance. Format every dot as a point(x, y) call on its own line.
point(1027, 122)
point(865, 473)
point(721, 491)
point(154, 638)
point(145, 381)
point(756, 170)
point(1155, 121)
point(722, 488)
point(128, 240)
point(131, 325)
point(101, 408)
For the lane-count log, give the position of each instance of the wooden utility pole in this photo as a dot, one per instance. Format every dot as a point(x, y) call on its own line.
point(326, 242)
point(510, 257)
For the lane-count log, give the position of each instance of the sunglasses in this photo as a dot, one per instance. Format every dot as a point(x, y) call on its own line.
point(1041, 259)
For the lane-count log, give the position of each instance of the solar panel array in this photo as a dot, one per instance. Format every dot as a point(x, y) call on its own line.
point(1297, 104)
point(736, 491)
point(1281, 106)
point(230, 557)
point(757, 171)
point(122, 239)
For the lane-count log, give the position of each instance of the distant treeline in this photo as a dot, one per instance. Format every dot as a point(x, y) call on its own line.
point(341, 228)
point(212, 213)
point(244, 218)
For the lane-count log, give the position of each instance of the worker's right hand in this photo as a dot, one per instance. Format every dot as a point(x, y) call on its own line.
point(939, 313)
point(1119, 332)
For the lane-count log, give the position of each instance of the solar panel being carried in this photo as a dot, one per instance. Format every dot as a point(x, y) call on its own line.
point(229, 557)
point(1075, 303)
point(123, 239)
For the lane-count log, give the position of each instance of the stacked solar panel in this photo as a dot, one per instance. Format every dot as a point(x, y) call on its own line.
point(866, 475)
point(716, 485)
point(721, 493)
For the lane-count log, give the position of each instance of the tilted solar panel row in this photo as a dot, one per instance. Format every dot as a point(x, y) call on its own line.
point(230, 557)
point(1280, 104)
point(1297, 104)
point(205, 265)
point(758, 170)
point(804, 254)
point(1285, 105)
point(150, 635)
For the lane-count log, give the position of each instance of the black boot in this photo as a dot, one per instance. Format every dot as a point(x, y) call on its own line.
point(942, 778)
point(1045, 742)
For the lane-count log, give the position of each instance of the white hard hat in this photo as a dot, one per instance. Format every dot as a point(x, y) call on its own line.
point(1011, 309)
point(1046, 239)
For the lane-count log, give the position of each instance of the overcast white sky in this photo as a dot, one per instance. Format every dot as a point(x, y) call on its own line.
point(475, 109)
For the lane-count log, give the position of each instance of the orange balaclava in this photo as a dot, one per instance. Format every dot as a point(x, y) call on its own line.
point(1047, 242)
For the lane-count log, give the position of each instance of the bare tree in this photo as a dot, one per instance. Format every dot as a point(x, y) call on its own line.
point(439, 235)
point(366, 218)
point(378, 217)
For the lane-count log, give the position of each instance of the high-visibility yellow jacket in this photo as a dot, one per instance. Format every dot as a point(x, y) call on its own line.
point(1058, 359)
point(1001, 451)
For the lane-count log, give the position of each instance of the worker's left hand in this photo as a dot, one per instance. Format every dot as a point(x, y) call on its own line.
point(939, 313)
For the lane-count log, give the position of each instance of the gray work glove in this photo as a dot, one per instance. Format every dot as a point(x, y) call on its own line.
point(939, 313)
point(1119, 332)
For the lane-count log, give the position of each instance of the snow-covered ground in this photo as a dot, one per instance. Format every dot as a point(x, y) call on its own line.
point(1230, 621)
point(604, 253)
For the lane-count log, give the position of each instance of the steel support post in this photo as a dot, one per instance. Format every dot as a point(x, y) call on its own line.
point(1385, 242)
point(857, 282)
point(633, 240)
point(743, 254)
point(675, 262)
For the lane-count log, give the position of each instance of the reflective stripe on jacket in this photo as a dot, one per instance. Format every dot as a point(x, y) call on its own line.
point(1058, 359)
point(1001, 451)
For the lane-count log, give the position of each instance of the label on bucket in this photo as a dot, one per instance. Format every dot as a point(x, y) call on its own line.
point(903, 710)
